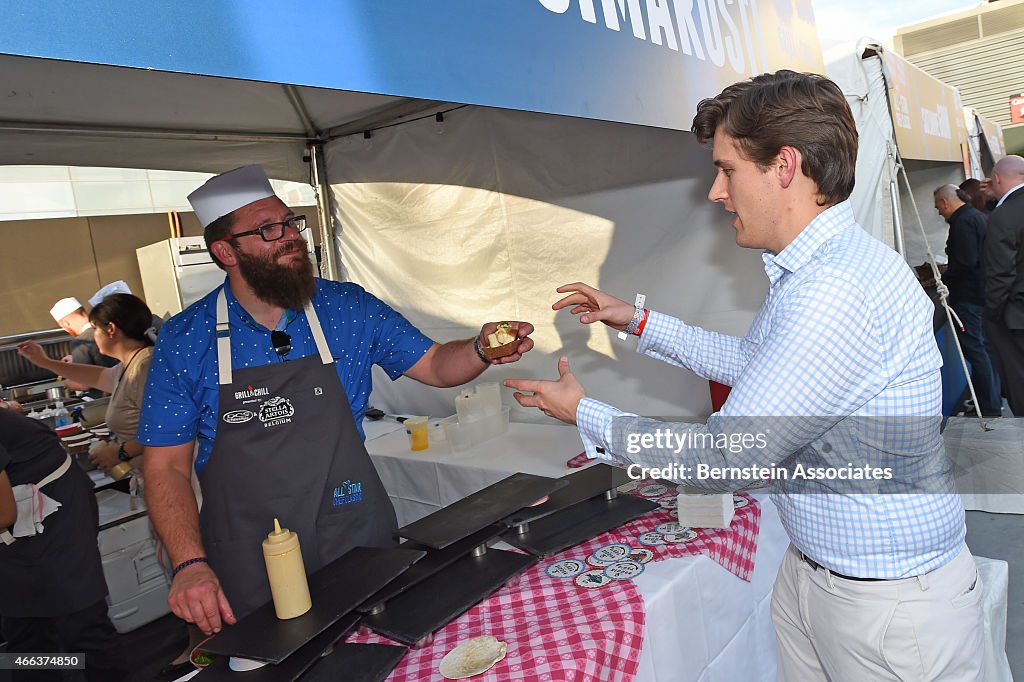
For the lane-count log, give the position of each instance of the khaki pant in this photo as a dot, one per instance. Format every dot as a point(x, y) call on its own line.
point(911, 630)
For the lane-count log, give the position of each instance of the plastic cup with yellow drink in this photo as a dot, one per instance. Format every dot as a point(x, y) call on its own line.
point(417, 429)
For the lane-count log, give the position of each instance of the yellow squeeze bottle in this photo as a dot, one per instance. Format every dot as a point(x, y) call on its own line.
point(286, 572)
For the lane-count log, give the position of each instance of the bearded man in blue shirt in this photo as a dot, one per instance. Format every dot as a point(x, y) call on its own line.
point(266, 380)
point(838, 377)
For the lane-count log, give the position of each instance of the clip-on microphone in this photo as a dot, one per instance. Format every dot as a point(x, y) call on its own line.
point(281, 341)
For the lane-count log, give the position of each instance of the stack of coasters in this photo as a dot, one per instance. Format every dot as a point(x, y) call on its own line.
point(617, 561)
point(698, 509)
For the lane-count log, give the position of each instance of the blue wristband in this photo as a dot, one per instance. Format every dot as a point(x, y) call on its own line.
point(185, 564)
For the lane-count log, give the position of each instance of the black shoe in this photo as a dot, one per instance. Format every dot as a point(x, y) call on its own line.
point(173, 671)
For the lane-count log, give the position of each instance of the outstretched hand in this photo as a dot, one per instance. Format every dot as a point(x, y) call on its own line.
point(33, 352)
point(595, 305)
point(559, 399)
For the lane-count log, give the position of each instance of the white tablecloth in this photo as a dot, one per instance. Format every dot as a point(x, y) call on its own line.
point(703, 623)
point(988, 465)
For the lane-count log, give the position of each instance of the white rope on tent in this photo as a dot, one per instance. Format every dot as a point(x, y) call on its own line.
point(943, 292)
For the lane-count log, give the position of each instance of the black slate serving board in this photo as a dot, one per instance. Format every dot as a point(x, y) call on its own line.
point(577, 523)
point(336, 589)
point(479, 510)
point(446, 595)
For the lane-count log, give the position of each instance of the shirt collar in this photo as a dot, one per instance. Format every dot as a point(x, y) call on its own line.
point(962, 209)
point(799, 252)
point(1012, 190)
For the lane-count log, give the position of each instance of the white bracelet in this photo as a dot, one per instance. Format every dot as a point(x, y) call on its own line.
point(639, 303)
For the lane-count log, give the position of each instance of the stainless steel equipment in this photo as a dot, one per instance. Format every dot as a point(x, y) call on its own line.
point(17, 374)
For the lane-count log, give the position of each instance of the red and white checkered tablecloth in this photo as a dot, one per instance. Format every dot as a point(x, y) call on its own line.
point(556, 631)
point(734, 547)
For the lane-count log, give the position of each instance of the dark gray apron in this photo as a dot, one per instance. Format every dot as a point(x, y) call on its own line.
point(286, 447)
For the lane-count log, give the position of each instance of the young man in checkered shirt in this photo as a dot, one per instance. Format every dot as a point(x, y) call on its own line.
point(839, 372)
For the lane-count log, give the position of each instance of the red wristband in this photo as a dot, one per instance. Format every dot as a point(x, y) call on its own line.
point(643, 322)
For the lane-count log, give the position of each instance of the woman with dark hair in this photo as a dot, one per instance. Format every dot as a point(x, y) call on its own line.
point(122, 323)
point(975, 195)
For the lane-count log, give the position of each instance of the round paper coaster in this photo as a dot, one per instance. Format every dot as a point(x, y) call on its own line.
point(685, 536)
point(624, 570)
point(653, 490)
point(566, 568)
point(640, 554)
point(738, 502)
point(651, 539)
point(595, 577)
point(609, 554)
point(669, 502)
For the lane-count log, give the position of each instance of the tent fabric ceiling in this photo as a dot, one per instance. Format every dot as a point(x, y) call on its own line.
point(69, 113)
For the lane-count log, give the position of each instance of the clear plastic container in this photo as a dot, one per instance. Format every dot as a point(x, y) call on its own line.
point(484, 428)
point(457, 437)
point(488, 394)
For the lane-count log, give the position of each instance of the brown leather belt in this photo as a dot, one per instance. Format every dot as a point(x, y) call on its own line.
point(815, 565)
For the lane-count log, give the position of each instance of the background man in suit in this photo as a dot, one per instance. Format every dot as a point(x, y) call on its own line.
point(966, 282)
point(1003, 262)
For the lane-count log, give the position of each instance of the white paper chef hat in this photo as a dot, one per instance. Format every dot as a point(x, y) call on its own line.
point(229, 191)
point(118, 287)
point(64, 307)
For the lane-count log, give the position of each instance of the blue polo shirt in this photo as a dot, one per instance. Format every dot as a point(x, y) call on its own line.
point(181, 396)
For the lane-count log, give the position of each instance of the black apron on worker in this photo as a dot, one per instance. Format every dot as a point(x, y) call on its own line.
point(286, 447)
point(58, 571)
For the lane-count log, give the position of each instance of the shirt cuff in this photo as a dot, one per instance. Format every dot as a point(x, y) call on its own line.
point(594, 420)
point(660, 333)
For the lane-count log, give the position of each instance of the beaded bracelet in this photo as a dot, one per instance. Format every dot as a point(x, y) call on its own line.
point(643, 323)
point(185, 564)
point(638, 315)
point(479, 351)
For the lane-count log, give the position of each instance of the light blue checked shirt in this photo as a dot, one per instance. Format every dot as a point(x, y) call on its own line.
point(840, 366)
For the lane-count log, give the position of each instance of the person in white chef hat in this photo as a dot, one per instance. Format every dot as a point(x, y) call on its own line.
point(248, 372)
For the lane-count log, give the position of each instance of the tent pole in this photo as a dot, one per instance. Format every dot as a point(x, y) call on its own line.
point(894, 163)
point(325, 205)
point(894, 201)
point(12, 126)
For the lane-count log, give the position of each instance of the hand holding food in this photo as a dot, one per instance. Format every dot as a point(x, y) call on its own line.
point(504, 342)
point(501, 342)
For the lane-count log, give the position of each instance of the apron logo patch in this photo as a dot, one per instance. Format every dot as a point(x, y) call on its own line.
point(276, 411)
point(347, 493)
point(318, 391)
point(251, 392)
point(238, 416)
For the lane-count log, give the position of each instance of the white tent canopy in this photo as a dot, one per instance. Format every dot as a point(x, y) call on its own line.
point(69, 113)
point(455, 223)
point(482, 217)
point(477, 218)
point(930, 151)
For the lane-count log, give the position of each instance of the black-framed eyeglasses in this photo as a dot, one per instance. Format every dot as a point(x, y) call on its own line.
point(271, 232)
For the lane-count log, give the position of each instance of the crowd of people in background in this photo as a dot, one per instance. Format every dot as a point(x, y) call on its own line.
point(984, 276)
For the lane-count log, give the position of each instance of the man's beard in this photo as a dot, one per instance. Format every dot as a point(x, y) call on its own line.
point(290, 285)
